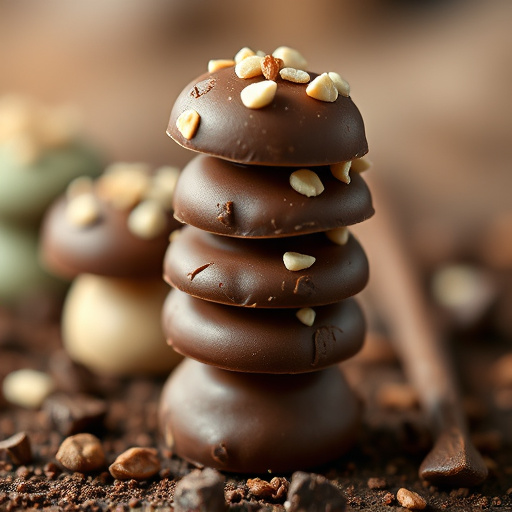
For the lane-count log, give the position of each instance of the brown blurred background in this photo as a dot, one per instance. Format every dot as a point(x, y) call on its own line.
point(432, 79)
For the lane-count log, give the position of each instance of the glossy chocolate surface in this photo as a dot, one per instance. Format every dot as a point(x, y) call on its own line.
point(254, 423)
point(106, 247)
point(258, 201)
point(262, 340)
point(294, 129)
point(245, 272)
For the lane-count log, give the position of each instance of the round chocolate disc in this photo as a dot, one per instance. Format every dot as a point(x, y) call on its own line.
point(254, 423)
point(294, 129)
point(262, 340)
point(258, 201)
point(251, 273)
point(105, 247)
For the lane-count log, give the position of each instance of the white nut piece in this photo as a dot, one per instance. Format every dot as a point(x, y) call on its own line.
point(340, 83)
point(306, 182)
point(306, 316)
point(147, 220)
point(361, 164)
point(188, 123)
point(339, 236)
point(216, 64)
point(291, 58)
point(296, 261)
point(295, 75)
point(322, 88)
point(341, 171)
point(250, 67)
point(243, 53)
point(259, 94)
point(27, 388)
point(82, 210)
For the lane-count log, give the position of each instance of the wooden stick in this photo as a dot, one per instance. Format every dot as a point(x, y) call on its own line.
point(395, 287)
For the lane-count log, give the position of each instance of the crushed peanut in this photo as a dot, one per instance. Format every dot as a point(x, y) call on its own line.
point(291, 58)
point(410, 499)
point(361, 164)
point(339, 236)
point(306, 316)
point(340, 83)
point(82, 210)
point(250, 67)
point(162, 186)
point(341, 171)
point(243, 54)
point(296, 261)
point(188, 123)
point(306, 182)
point(79, 186)
point(270, 67)
point(147, 220)
point(216, 64)
point(259, 94)
point(322, 88)
point(295, 75)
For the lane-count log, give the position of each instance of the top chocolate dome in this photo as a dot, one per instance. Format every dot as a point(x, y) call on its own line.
point(289, 127)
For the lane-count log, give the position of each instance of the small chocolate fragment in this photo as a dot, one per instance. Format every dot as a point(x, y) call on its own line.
point(200, 491)
point(314, 493)
point(17, 448)
point(71, 414)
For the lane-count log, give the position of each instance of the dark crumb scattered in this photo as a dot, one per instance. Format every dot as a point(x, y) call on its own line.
point(123, 414)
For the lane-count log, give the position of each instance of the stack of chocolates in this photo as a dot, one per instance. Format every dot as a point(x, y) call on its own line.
point(265, 271)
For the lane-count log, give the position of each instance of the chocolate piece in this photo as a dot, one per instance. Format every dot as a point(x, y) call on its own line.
point(257, 422)
point(256, 201)
point(262, 340)
point(200, 491)
point(244, 272)
point(293, 130)
point(18, 448)
point(106, 247)
point(314, 493)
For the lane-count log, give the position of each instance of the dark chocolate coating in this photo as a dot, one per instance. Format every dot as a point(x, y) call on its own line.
point(245, 272)
point(258, 201)
point(294, 129)
point(262, 340)
point(106, 247)
point(254, 423)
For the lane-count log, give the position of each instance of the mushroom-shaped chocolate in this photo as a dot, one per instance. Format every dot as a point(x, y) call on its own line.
point(110, 235)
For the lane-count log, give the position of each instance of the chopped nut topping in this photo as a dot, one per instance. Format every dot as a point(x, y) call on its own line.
point(295, 75)
point(306, 316)
point(123, 185)
point(82, 210)
point(291, 58)
point(243, 54)
point(339, 236)
point(27, 388)
point(322, 88)
point(79, 186)
point(249, 67)
point(361, 164)
point(341, 171)
point(187, 123)
point(147, 220)
point(296, 261)
point(216, 64)
point(306, 182)
point(270, 67)
point(259, 94)
point(162, 186)
point(340, 83)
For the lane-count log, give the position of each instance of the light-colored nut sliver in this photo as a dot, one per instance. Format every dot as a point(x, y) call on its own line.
point(306, 182)
point(322, 88)
point(147, 220)
point(340, 83)
point(341, 171)
point(259, 94)
point(243, 53)
point(250, 67)
point(306, 316)
point(361, 164)
point(339, 236)
point(295, 75)
point(296, 261)
point(188, 123)
point(291, 58)
point(216, 64)
point(82, 210)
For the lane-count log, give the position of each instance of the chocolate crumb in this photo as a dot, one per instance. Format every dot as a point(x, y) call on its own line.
point(17, 448)
point(377, 483)
point(314, 493)
point(226, 213)
point(200, 491)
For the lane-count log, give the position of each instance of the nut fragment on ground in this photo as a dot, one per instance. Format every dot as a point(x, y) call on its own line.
point(410, 499)
point(82, 210)
point(297, 76)
point(147, 220)
point(82, 453)
point(259, 94)
point(17, 448)
point(249, 67)
point(27, 388)
point(296, 261)
point(339, 236)
point(340, 83)
point(188, 123)
point(322, 88)
point(306, 316)
point(341, 171)
point(136, 463)
point(306, 182)
point(200, 490)
point(290, 57)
